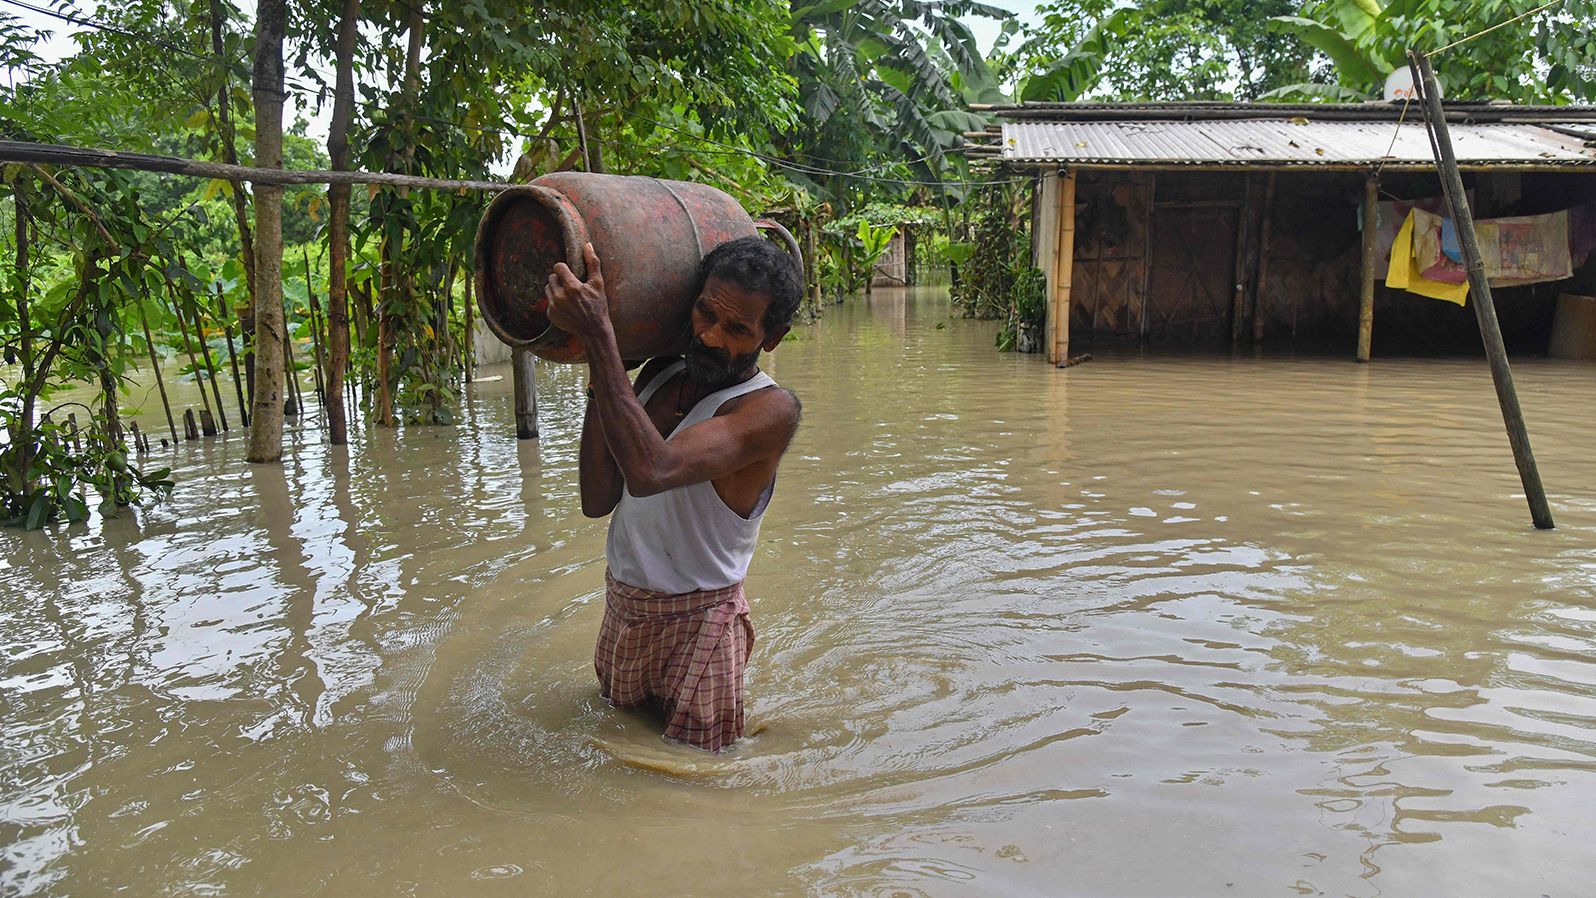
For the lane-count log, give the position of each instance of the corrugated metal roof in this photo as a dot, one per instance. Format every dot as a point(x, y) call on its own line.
point(1464, 112)
point(1286, 141)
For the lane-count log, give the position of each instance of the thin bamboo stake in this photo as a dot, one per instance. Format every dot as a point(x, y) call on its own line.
point(442, 339)
point(1480, 288)
point(1238, 302)
point(315, 334)
point(210, 365)
point(523, 370)
point(1260, 283)
point(188, 347)
point(232, 357)
point(581, 137)
point(160, 382)
point(1371, 203)
point(293, 404)
point(469, 359)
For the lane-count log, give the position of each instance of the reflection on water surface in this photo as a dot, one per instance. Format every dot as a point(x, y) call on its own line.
point(1150, 626)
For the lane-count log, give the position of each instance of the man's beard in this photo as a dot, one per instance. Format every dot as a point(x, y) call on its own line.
point(716, 367)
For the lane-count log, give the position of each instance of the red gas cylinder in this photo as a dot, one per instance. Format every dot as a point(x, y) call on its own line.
point(650, 236)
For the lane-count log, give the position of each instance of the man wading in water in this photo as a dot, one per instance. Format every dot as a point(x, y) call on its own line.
point(687, 462)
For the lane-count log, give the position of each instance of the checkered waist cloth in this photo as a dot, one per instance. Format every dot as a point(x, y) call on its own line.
point(685, 652)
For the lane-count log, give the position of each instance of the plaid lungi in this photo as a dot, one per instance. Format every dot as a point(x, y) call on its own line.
point(685, 653)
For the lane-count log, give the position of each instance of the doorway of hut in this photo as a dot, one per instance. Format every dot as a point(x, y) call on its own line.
point(1192, 259)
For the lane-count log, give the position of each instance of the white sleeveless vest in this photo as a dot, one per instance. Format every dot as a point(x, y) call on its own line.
point(686, 538)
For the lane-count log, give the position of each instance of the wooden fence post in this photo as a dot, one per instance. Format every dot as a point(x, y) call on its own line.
point(524, 372)
point(1058, 310)
point(1260, 281)
point(1371, 199)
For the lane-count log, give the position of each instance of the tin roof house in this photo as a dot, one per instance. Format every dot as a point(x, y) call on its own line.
point(1244, 223)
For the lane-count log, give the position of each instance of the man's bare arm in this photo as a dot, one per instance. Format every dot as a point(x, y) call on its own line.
point(597, 472)
point(599, 475)
point(760, 428)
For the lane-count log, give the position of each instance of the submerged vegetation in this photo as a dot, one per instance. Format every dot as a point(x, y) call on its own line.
point(843, 119)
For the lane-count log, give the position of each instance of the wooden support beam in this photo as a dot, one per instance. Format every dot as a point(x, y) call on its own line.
point(1371, 199)
point(1480, 292)
point(1260, 281)
point(1058, 306)
point(524, 373)
point(1238, 302)
point(1147, 255)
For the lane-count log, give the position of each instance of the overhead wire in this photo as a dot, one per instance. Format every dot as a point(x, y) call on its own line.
point(862, 174)
point(1407, 100)
point(1484, 31)
point(105, 26)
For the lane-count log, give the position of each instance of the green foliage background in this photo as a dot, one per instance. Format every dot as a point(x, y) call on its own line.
point(843, 117)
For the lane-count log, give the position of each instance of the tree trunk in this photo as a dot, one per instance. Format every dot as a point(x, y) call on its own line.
point(338, 228)
point(22, 435)
point(392, 289)
point(227, 138)
point(266, 418)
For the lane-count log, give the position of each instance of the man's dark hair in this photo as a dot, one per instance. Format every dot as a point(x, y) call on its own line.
point(758, 266)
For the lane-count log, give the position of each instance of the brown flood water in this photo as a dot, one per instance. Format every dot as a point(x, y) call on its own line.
point(1151, 626)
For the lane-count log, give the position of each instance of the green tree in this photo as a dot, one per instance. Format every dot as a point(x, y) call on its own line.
point(1160, 50)
point(1547, 56)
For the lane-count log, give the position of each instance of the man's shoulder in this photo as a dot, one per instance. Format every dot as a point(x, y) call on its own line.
point(774, 404)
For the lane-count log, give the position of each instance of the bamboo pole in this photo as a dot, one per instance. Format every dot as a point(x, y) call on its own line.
point(1480, 287)
point(385, 342)
point(524, 373)
point(210, 366)
point(160, 382)
point(1260, 284)
point(1238, 300)
point(470, 355)
point(293, 399)
point(813, 287)
point(188, 347)
point(1058, 345)
point(1371, 200)
point(442, 338)
point(581, 137)
point(1147, 255)
point(232, 357)
point(315, 334)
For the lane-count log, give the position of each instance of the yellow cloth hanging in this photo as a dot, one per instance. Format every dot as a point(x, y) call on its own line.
point(1403, 276)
